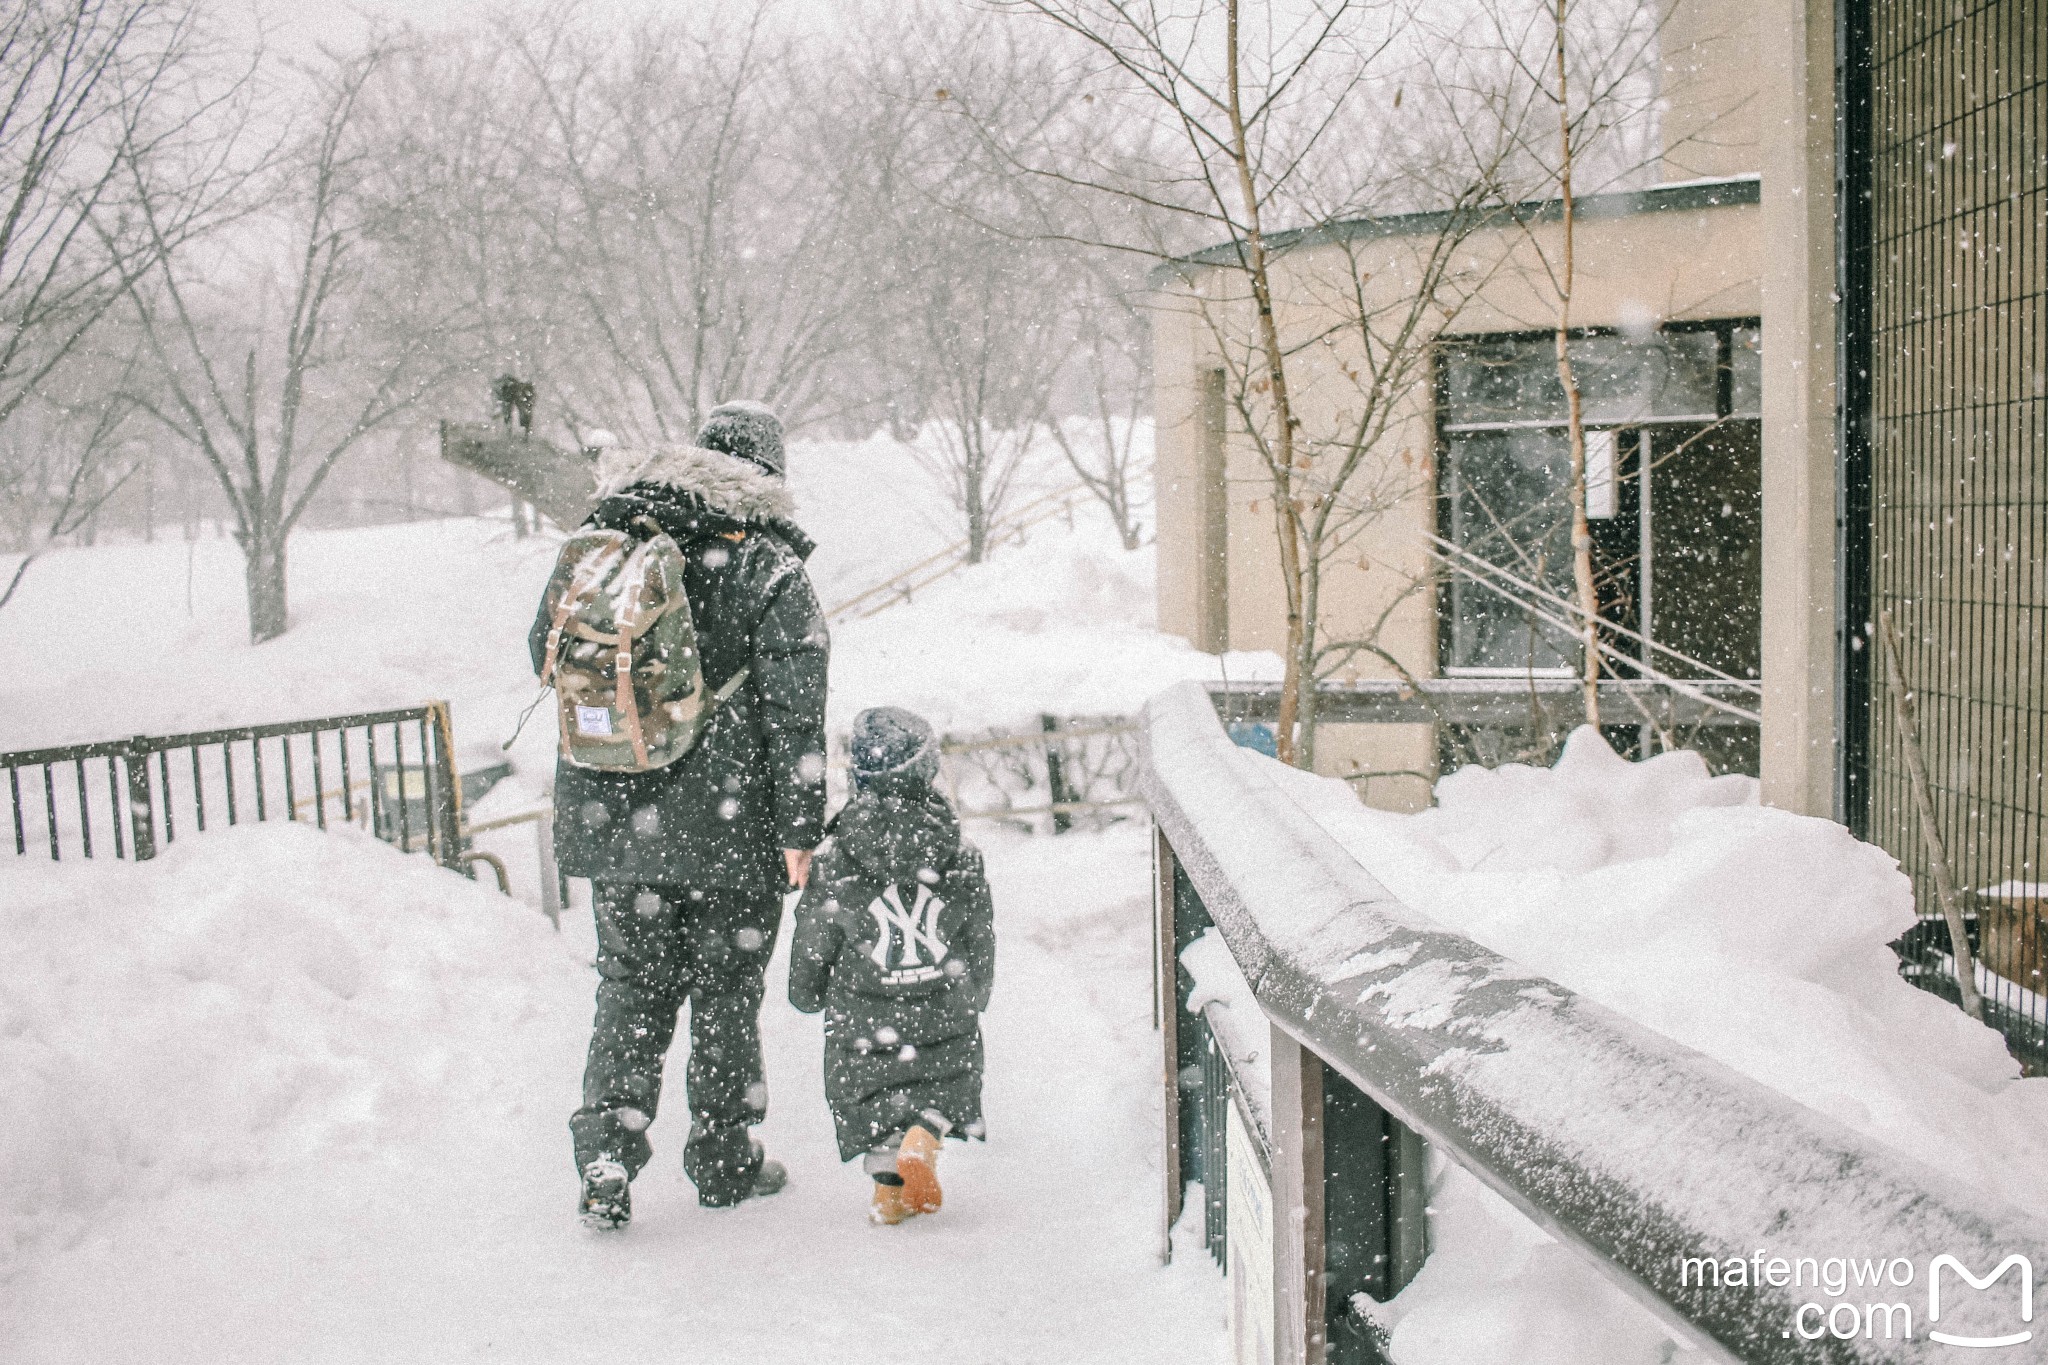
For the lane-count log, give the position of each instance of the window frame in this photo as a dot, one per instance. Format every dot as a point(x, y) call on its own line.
point(1724, 394)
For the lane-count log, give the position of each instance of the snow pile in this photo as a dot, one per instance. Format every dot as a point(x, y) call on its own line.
point(1752, 935)
point(253, 998)
point(1061, 623)
point(390, 616)
point(1236, 1020)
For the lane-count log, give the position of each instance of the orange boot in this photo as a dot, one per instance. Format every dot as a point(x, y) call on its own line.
point(917, 1161)
point(888, 1208)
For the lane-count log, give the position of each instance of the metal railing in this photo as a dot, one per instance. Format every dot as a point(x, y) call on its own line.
point(1068, 769)
point(392, 771)
point(1632, 1151)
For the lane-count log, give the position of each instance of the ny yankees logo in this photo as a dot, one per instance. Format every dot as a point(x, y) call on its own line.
point(900, 933)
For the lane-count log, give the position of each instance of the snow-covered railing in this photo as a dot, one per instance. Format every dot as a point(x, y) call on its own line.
point(1643, 1156)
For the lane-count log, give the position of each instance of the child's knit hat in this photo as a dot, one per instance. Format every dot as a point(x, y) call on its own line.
point(888, 741)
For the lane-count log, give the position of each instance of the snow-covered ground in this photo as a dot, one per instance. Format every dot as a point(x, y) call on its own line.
point(302, 1098)
point(1752, 935)
point(285, 1096)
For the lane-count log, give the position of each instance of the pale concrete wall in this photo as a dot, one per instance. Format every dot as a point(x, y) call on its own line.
point(1636, 271)
point(1800, 559)
point(1711, 64)
point(1176, 403)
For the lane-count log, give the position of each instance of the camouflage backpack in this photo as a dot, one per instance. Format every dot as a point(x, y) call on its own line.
point(622, 652)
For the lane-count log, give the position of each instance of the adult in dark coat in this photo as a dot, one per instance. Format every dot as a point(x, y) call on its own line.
point(688, 863)
point(895, 943)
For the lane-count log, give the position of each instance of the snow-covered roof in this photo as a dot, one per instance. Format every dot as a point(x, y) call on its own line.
point(1672, 197)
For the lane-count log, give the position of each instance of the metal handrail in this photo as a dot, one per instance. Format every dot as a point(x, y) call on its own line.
point(139, 792)
point(1633, 1151)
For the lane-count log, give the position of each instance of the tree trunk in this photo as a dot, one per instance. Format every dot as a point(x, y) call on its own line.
point(1582, 532)
point(1300, 640)
point(974, 496)
point(264, 559)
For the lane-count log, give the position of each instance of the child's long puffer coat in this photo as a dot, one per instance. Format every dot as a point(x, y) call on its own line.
point(895, 942)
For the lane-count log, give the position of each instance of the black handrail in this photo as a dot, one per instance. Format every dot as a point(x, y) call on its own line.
point(144, 805)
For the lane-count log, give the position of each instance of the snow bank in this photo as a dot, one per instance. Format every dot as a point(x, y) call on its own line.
point(1235, 1018)
point(1752, 935)
point(252, 998)
point(387, 616)
point(1062, 623)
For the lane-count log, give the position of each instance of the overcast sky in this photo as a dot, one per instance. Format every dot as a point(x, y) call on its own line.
point(304, 25)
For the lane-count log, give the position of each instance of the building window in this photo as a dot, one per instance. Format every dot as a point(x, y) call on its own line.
point(1673, 494)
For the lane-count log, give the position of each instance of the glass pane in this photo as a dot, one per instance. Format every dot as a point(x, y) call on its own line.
point(1707, 498)
point(1509, 504)
point(1746, 366)
point(1621, 379)
point(1600, 500)
point(1501, 381)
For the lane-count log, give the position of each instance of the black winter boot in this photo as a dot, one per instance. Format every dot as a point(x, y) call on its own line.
point(607, 1202)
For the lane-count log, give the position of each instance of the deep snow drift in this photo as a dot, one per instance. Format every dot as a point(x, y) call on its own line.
point(285, 1096)
point(291, 1096)
point(395, 615)
point(1750, 934)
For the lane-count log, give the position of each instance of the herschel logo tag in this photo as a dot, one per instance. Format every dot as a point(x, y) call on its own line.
point(593, 720)
point(908, 948)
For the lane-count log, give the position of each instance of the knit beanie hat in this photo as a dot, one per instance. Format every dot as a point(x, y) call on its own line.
point(749, 430)
point(887, 741)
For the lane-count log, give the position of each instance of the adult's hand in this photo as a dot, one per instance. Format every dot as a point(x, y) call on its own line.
point(798, 862)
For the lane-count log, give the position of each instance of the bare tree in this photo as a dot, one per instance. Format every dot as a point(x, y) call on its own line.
point(90, 95)
point(1253, 115)
point(691, 223)
point(1576, 106)
point(60, 461)
point(1108, 375)
point(984, 326)
point(966, 308)
point(277, 359)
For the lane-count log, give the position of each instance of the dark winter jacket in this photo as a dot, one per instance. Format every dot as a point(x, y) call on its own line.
point(895, 942)
point(754, 784)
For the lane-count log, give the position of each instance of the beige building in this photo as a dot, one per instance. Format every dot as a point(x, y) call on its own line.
point(1824, 337)
point(1667, 300)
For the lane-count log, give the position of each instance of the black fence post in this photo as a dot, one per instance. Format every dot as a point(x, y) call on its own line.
point(444, 789)
point(1166, 1017)
point(141, 815)
point(1375, 1226)
point(1056, 776)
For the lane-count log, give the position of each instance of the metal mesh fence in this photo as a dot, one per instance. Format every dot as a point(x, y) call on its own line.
point(1945, 153)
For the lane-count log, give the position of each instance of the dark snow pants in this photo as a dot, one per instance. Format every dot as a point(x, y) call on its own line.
point(659, 947)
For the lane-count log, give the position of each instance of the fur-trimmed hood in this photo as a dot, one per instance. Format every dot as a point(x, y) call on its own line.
point(692, 493)
point(724, 483)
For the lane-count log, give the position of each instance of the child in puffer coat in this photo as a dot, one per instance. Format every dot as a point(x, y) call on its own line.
point(895, 942)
